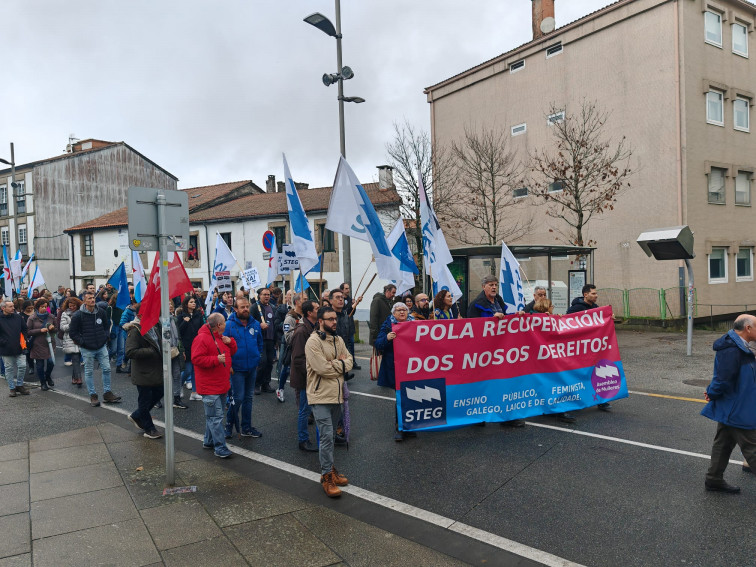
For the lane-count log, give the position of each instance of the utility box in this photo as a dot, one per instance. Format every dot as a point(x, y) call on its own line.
point(672, 243)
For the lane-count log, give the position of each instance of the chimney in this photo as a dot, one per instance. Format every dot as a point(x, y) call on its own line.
point(270, 184)
point(543, 17)
point(385, 177)
point(280, 187)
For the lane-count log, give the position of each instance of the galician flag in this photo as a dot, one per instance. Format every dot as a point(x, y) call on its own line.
point(224, 261)
point(351, 213)
point(26, 266)
point(137, 276)
point(7, 274)
point(406, 268)
point(37, 279)
point(16, 269)
point(304, 244)
point(510, 281)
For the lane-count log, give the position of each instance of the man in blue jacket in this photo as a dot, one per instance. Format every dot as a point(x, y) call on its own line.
point(249, 342)
point(732, 401)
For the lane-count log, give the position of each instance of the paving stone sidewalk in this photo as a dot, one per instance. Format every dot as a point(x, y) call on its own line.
point(93, 496)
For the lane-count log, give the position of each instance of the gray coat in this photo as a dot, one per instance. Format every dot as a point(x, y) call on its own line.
point(65, 323)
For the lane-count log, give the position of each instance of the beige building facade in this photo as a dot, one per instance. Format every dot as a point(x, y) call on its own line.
point(678, 78)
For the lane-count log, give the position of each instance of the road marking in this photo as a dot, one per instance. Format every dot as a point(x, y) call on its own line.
point(697, 400)
point(407, 509)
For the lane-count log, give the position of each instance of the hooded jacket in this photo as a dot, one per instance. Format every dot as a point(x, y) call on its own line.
point(732, 390)
point(212, 377)
point(481, 307)
point(325, 370)
point(579, 304)
point(11, 328)
point(90, 330)
point(249, 342)
point(144, 353)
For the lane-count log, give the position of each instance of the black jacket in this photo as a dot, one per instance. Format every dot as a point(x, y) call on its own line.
point(145, 356)
point(188, 330)
point(579, 304)
point(11, 329)
point(481, 307)
point(380, 308)
point(90, 330)
point(278, 320)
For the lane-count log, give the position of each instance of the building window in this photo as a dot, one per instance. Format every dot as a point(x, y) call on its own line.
point(740, 114)
point(326, 240)
point(226, 236)
point(555, 49)
point(715, 108)
point(88, 244)
point(556, 186)
point(740, 40)
point(516, 66)
point(713, 28)
point(717, 185)
point(5, 235)
point(743, 188)
point(3, 200)
point(519, 129)
point(744, 265)
point(718, 265)
point(280, 234)
point(20, 197)
point(521, 192)
point(22, 244)
point(555, 118)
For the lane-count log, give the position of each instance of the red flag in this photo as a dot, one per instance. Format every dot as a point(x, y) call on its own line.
point(178, 284)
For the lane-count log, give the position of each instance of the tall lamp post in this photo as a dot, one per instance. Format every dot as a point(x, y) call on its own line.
point(11, 163)
point(342, 74)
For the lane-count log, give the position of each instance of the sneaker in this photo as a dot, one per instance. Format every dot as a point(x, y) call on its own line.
point(205, 446)
point(356, 367)
point(228, 435)
point(133, 420)
point(153, 434)
point(13, 394)
point(307, 446)
point(280, 395)
point(251, 433)
point(68, 363)
point(178, 404)
point(722, 486)
point(338, 479)
point(50, 383)
point(223, 453)
point(111, 398)
point(188, 385)
point(195, 397)
point(398, 436)
point(120, 370)
point(22, 390)
point(94, 401)
point(566, 417)
point(330, 488)
point(606, 406)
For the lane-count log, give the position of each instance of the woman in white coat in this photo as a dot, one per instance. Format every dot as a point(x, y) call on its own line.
point(71, 306)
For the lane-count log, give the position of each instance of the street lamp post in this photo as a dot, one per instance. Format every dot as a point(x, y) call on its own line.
point(342, 73)
point(11, 163)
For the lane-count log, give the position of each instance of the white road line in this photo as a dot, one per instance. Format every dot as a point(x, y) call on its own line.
point(407, 509)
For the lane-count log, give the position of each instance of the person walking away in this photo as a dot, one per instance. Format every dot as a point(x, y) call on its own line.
point(89, 329)
point(70, 306)
point(327, 360)
point(731, 398)
point(41, 328)
point(146, 374)
point(190, 320)
point(247, 335)
point(12, 346)
point(211, 358)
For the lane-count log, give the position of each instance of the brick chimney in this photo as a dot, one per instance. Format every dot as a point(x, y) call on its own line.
point(543, 17)
point(270, 184)
point(385, 177)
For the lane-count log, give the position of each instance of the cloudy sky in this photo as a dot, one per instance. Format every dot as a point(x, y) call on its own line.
point(214, 91)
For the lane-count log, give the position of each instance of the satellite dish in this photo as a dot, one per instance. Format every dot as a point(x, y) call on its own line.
point(548, 25)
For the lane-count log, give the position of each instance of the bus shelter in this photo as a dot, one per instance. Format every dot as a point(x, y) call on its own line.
point(562, 270)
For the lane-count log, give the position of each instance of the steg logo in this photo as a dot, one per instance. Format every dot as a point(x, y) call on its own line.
point(423, 403)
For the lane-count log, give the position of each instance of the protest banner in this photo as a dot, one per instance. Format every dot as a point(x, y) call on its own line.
point(287, 260)
point(250, 278)
point(223, 282)
point(458, 372)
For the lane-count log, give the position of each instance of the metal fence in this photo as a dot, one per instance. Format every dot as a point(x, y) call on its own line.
point(648, 303)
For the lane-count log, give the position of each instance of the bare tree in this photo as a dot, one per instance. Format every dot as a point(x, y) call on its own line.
point(411, 155)
point(486, 174)
point(584, 173)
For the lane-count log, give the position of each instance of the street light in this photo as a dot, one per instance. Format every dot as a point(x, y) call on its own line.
point(11, 163)
point(342, 74)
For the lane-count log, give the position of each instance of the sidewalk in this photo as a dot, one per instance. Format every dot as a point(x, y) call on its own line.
point(93, 496)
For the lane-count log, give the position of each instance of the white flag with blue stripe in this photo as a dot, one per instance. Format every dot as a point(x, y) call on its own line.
point(436, 252)
point(510, 281)
point(406, 268)
point(444, 279)
point(138, 277)
point(301, 235)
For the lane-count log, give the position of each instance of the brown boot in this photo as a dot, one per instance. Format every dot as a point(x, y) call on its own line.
point(331, 490)
point(22, 390)
point(338, 479)
point(13, 393)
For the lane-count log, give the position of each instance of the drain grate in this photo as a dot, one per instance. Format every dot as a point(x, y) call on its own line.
point(702, 383)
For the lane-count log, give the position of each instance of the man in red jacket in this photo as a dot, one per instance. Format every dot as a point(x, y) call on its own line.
point(211, 357)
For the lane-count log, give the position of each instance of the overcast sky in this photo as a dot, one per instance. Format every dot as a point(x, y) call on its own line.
point(214, 91)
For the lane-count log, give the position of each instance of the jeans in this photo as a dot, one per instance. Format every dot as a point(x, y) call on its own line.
point(265, 367)
point(15, 370)
point(120, 346)
point(148, 397)
point(283, 375)
point(304, 412)
point(43, 375)
point(188, 374)
point(214, 435)
point(101, 355)
point(243, 391)
point(326, 416)
point(279, 364)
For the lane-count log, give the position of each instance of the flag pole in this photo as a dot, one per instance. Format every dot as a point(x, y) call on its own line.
point(322, 261)
point(354, 308)
point(355, 294)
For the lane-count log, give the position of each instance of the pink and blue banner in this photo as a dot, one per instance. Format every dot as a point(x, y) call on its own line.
point(459, 372)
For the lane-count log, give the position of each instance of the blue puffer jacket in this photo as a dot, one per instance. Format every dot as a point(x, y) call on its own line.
point(733, 388)
point(249, 342)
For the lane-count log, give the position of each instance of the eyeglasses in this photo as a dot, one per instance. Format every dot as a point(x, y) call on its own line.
point(330, 318)
point(423, 300)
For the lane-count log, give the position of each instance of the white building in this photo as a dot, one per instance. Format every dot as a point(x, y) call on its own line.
point(241, 221)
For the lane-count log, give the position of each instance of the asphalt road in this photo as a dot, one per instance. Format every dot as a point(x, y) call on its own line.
point(599, 501)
